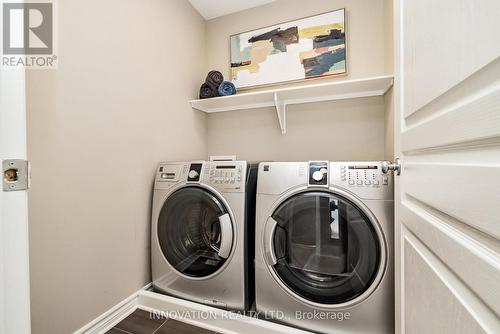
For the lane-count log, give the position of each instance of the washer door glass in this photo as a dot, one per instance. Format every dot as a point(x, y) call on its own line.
point(327, 250)
point(194, 231)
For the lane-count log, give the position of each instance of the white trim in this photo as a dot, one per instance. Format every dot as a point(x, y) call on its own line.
point(114, 315)
point(14, 248)
point(219, 321)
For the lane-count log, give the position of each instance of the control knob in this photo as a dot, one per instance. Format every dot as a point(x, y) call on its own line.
point(318, 176)
point(193, 174)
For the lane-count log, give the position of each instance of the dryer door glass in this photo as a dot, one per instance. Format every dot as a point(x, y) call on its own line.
point(327, 250)
point(190, 231)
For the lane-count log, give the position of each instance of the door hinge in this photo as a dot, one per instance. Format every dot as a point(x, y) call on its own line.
point(389, 166)
point(16, 174)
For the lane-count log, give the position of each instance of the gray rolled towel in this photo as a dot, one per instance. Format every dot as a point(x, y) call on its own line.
point(207, 91)
point(214, 79)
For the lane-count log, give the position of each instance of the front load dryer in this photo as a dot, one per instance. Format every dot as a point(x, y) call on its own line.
point(198, 238)
point(324, 249)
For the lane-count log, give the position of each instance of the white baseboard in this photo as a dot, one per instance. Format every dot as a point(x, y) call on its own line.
point(112, 316)
point(220, 321)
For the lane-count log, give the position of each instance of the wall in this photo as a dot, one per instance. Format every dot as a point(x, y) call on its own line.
point(331, 130)
point(98, 125)
point(343, 130)
point(389, 68)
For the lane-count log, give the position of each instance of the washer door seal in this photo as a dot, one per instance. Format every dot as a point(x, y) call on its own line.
point(195, 231)
point(327, 251)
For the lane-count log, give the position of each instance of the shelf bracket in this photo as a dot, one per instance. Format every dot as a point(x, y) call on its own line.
point(281, 112)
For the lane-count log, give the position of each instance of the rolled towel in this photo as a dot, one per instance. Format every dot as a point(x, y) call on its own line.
point(226, 88)
point(207, 91)
point(214, 78)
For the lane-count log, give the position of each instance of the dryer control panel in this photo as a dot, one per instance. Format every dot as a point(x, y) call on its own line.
point(364, 178)
point(225, 175)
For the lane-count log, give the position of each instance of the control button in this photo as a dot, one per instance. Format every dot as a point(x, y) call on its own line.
point(227, 180)
point(367, 182)
point(232, 180)
point(318, 176)
point(360, 182)
point(375, 182)
point(193, 174)
point(238, 179)
point(351, 182)
point(385, 180)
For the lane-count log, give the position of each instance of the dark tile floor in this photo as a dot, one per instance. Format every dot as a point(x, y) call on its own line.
point(140, 322)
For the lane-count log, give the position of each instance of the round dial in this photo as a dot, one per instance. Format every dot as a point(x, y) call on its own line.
point(193, 174)
point(318, 176)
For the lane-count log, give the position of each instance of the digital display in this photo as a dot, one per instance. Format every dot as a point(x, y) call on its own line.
point(225, 167)
point(363, 167)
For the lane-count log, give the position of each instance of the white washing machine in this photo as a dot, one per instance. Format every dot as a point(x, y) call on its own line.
point(324, 246)
point(201, 212)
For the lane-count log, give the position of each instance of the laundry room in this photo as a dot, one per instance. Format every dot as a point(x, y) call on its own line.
point(263, 166)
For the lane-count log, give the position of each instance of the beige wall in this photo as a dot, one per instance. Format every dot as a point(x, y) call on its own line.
point(329, 130)
point(98, 125)
point(389, 68)
point(342, 130)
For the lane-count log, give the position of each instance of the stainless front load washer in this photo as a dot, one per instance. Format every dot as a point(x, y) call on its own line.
point(324, 246)
point(199, 250)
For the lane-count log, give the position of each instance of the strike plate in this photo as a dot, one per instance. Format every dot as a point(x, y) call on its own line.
point(15, 174)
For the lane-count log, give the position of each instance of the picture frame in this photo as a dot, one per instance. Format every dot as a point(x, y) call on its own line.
point(303, 49)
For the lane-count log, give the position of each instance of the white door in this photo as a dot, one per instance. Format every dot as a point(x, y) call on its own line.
point(448, 193)
point(14, 264)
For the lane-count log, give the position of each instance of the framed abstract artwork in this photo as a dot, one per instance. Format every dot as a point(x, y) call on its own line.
point(306, 48)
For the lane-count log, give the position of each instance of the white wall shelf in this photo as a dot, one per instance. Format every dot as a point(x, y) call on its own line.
point(281, 97)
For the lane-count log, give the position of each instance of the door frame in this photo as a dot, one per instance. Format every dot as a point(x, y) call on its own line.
point(398, 107)
point(14, 248)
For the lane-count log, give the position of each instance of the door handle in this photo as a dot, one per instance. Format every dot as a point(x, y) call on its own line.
point(15, 175)
point(268, 240)
point(226, 239)
point(389, 166)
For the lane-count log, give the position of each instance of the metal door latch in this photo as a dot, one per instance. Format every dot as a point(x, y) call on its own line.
point(389, 166)
point(15, 174)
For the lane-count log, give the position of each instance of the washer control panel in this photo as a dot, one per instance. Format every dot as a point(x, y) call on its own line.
point(227, 176)
point(362, 177)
